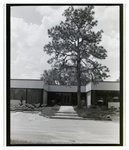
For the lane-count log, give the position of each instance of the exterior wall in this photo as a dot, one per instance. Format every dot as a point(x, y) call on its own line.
point(38, 84)
point(114, 104)
point(88, 87)
point(45, 87)
point(45, 94)
point(24, 83)
point(59, 88)
point(19, 83)
point(111, 86)
point(88, 99)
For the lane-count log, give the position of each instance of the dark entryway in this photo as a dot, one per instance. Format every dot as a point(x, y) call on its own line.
point(66, 99)
point(62, 98)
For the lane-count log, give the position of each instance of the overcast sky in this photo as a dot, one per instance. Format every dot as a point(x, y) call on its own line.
point(29, 25)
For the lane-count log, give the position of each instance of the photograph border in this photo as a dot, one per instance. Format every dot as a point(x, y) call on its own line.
point(8, 46)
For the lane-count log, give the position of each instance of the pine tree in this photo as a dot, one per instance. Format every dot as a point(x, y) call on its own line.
point(76, 47)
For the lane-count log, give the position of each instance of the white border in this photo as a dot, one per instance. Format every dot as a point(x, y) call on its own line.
point(126, 54)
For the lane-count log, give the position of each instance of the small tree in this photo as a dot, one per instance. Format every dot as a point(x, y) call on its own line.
point(76, 47)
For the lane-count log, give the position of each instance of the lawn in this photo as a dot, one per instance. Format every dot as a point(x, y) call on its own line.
point(45, 111)
point(95, 113)
point(49, 111)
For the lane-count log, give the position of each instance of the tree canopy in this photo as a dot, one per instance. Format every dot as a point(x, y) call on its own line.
point(55, 77)
point(76, 47)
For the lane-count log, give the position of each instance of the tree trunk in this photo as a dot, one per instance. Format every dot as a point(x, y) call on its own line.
point(78, 80)
point(78, 89)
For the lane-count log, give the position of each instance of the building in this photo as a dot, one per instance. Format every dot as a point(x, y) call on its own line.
point(34, 91)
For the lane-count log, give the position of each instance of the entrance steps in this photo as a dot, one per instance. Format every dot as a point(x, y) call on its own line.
point(66, 112)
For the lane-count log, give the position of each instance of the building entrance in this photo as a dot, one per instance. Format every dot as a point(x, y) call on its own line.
point(66, 99)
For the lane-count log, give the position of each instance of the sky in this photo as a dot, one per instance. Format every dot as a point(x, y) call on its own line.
point(29, 26)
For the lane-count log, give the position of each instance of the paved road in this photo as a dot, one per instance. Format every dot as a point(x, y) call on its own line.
point(35, 128)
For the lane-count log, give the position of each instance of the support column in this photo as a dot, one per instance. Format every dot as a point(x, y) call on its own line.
point(45, 94)
point(88, 98)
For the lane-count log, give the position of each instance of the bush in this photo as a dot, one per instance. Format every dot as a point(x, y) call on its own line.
point(94, 112)
point(30, 106)
point(104, 108)
point(93, 106)
point(36, 105)
point(83, 104)
point(43, 105)
point(21, 101)
point(56, 107)
point(53, 102)
point(49, 111)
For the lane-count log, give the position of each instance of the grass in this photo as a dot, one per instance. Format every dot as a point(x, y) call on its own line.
point(86, 113)
point(94, 113)
point(25, 108)
point(45, 111)
point(49, 111)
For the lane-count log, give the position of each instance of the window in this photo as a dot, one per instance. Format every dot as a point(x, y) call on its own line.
point(34, 96)
point(17, 94)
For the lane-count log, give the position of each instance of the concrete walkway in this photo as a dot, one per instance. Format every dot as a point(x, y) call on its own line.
point(66, 109)
point(35, 128)
point(66, 112)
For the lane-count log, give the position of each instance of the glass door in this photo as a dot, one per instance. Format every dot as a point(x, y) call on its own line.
point(66, 99)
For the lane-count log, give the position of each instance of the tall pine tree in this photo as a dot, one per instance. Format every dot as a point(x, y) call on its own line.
point(76, 47)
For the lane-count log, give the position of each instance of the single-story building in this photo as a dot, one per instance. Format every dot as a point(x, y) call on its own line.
point(35, 91)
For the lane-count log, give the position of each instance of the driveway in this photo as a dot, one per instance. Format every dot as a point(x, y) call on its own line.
point(35, 128)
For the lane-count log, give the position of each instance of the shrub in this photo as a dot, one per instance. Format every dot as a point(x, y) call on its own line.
point(104, 108)
point(21, 101)
point(53, 102)
point(56, 107)
point(30, 106)
point(36, 105)
point(83, 104)
point(93, 106)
